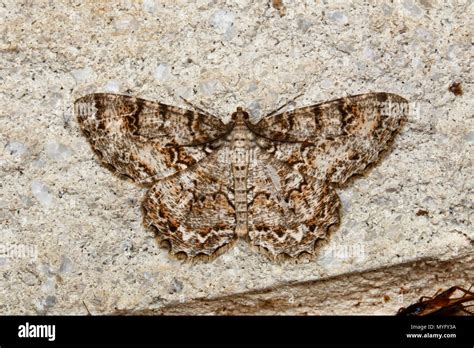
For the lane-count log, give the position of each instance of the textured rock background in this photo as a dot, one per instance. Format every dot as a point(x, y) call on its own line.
point(71, 231)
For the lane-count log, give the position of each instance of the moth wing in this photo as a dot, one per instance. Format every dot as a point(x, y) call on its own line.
point(144, 140)
point(288, 212)
point(193, 212)
point(335, 140)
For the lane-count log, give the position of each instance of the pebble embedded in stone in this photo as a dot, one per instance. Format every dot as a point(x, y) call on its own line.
point(346, 197)
point(66, 265)
point(176, 286)
point(368, 53)
point(16, 149)
point(411, 8)
point(469, 137)
point(222, 21)
point(210, 87)
point(126, 24)
point(339, 18)
point(127, 245)
point(49, 286)
point(327, 83)
point(50, 301)
point(423, 34)
point(162, 72)
point(387, 10)
point(304, 24)
point(112, 86)
point(82, 75)
point(41, 193)
point(149, 6)
point(255, 109)
point(149, 277)
point(57, 151)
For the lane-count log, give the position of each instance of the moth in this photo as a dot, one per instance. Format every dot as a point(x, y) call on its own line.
point(271, 182)
point(443, 303)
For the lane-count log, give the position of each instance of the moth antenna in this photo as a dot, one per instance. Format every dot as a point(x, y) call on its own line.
point(195, 107)
point(284, 105)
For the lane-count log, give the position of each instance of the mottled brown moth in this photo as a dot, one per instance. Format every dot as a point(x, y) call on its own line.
point(272, 182)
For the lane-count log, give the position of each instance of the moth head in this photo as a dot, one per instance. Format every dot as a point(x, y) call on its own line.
point(240, 114)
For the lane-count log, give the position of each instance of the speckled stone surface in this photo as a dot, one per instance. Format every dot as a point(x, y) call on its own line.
point(70, 231)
